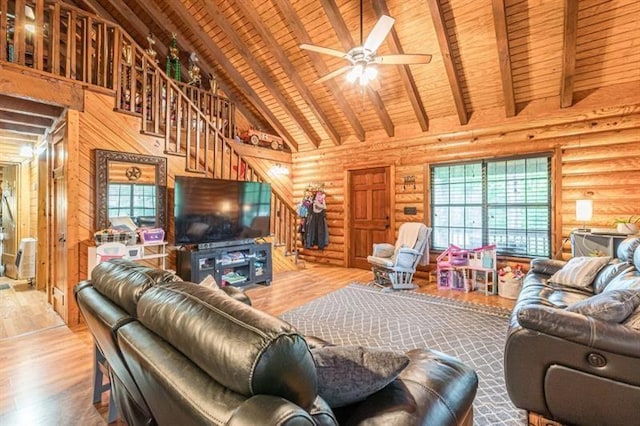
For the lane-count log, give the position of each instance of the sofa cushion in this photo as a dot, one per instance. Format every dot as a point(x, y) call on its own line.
point(608, 273)
point(611, 306)
point(348, 374)
point(579, 271)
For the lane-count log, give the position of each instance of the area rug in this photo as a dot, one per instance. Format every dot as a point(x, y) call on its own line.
point(475, 334)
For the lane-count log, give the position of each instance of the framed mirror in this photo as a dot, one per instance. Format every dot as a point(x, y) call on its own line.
point(130, 185)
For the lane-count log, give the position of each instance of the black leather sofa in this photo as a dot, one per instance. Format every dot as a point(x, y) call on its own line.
point(181, 353)
point(570, 367)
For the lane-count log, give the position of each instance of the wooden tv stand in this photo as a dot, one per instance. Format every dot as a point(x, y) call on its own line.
point(236, 265)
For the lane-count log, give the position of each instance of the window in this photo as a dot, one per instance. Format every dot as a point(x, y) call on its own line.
point(132, 200)
point(506, 202)
point(256, 201)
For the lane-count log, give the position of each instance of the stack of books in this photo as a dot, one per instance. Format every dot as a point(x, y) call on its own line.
point(233, 278)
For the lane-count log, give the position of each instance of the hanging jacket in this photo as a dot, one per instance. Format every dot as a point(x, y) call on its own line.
point(316, 230)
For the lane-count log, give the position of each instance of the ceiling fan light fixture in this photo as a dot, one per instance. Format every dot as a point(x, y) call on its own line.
point(355, 73)
point(371, 72)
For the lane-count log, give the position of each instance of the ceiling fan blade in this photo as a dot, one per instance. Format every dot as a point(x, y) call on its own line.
point(378, 33)
point(402, 59)
point(333, 74)
point(325, 50)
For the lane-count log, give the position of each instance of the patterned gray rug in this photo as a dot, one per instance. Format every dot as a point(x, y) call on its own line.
point(367, 316)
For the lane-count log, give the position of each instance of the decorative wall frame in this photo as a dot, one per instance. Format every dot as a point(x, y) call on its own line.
point(103, 158)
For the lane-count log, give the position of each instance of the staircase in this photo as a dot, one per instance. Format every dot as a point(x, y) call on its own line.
point(194, 124)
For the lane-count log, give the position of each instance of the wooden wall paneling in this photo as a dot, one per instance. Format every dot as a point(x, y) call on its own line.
point(584, 162)
point(74, 204)
point(43, 218)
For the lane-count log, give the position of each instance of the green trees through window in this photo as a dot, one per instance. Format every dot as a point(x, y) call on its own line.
point(506, 202)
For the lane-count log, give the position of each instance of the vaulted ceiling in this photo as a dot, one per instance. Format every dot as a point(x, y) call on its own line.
point(489, 57)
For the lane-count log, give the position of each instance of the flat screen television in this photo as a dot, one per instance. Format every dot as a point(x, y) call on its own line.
point(209, 211)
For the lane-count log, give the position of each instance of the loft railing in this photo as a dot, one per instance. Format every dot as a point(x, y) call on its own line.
point(70, 43)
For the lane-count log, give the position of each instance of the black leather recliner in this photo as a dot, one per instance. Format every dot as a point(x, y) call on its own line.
point(198, 356)
point(567, 366)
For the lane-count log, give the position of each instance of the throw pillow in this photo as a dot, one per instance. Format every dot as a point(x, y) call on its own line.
point(612, 306)
point(608, 273)
point(210, 282)
point(348, 374)
point(579, 272)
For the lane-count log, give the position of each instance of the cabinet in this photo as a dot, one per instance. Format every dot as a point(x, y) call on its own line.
point(595, 244)
point(153, 252)
point(236, 265)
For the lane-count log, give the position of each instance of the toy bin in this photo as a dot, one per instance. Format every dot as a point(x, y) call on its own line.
point(152, 235)
point(509, 287)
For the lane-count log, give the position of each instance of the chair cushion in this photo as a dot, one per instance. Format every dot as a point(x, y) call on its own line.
point(380, 261)
point(579, 271)
point(612, 306)
point(348, 374)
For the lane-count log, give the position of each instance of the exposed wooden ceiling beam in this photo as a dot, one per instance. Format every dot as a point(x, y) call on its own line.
point(347, 41)
point(393, 41)
point(212, 10)
point(437, 16)
point(8, 103)
point(504, 57)
point(21, 128)
point(569, 52)
point(303, 36)
point(246, 8)
point(224, 63)
point(30, 120)
point(17, 138)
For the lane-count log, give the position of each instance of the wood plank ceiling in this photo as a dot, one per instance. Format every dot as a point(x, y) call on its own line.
point(489, 56)
point(23, 123)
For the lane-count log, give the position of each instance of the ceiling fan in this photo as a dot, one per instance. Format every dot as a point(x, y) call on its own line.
point(363, 58)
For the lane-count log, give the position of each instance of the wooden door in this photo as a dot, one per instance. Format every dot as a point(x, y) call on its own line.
point(59, 285)
point(369, 213)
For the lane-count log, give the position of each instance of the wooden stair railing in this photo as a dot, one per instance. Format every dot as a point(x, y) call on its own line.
point(62, 40)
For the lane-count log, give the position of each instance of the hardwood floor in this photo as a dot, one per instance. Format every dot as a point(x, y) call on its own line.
point(46, 377)
point(23, 309)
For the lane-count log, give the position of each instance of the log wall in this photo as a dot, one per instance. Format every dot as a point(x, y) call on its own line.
point(596, 155)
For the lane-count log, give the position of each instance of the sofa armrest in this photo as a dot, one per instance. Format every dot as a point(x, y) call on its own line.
point(581, 329)
point(271, 410)
point(545, 266)
point(434, 389)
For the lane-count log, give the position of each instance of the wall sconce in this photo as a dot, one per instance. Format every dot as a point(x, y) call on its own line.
point(279, 170)
point(584, 213)
point(408, 180)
